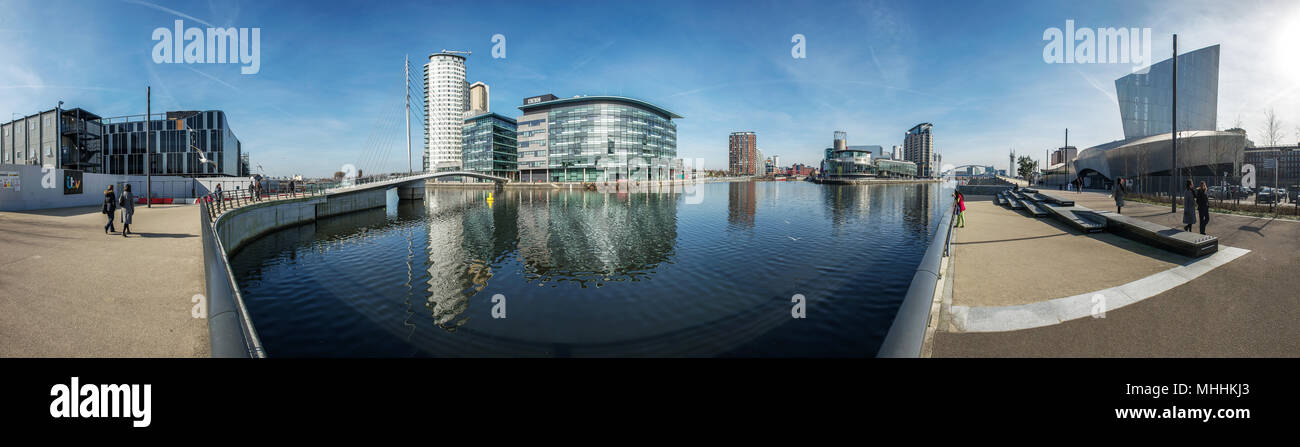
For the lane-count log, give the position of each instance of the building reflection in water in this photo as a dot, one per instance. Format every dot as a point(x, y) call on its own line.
point(742, 204)
point(590, 273)
point(584, 237)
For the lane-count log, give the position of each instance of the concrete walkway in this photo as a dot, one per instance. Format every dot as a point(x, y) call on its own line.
point(69, 290)
point(1248, 307)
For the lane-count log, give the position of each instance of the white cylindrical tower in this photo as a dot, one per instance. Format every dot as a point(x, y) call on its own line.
point(446, 99)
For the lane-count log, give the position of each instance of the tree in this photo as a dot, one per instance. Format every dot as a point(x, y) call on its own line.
point(1026, 167)
point(1272, 134)
point(338, 175)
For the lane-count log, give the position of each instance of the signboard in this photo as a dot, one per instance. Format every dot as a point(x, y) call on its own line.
point(537, 99)
point(71, 182)
point(10, 181)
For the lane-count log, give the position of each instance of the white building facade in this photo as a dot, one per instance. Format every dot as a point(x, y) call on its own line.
point(446, 100)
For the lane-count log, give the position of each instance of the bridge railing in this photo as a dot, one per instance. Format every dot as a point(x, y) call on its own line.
point(218, 202)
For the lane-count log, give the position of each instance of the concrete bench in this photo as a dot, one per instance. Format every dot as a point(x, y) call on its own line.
point(1015, 203)
point(1058, 200)
point(1182, 242)
point(1079, 218)
point(1030, 206)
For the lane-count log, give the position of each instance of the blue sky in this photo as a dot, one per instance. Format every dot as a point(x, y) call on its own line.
point(330, 70)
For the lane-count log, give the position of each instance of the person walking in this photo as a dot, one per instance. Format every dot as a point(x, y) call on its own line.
point(1189, 206)
point(110, 208)
point(961, 209)
point(127, 202)
point(217, 192)
point(1203, 206)
point(1120, 191)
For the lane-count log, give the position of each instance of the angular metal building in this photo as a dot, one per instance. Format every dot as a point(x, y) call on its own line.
point(1145, 155)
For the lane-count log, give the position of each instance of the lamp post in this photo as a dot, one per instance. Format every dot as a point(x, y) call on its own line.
point(1173, 163)
point(148, 149)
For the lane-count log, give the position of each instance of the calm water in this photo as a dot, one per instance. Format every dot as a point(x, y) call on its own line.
point(709, 271)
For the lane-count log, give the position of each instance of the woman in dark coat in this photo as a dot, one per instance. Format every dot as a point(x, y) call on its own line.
point(1203, 206)
point(128, 209)
point(1119, 192)
point(1189, 207)
point(110, 208)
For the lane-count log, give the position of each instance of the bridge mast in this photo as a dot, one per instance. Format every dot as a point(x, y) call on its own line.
point(407, 82)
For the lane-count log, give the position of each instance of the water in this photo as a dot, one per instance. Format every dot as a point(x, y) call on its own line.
point(709, 271)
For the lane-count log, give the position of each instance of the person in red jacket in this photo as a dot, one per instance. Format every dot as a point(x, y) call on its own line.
point(960, 203)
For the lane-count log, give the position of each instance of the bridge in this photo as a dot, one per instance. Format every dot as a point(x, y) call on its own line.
point(954, 169)
point(406, 180)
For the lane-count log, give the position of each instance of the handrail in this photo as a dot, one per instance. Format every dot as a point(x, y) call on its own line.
point(907, 333)
point(230, 330)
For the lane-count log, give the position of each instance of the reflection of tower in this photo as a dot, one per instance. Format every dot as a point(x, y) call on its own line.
point(742, 203)
point(447, 276)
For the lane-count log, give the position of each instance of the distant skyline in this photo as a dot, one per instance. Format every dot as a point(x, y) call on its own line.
point(873, 69)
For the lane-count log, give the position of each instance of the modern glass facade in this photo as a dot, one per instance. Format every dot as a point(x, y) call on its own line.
point(850, 163)
point(605, 138)
point(1146, 99)
point(489, 146)
point(172, 136)
point(895, 168)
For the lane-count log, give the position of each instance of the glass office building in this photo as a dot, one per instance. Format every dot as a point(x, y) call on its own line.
point(600, 138)
point(177, 139)
point(1146, 99)
point(489, 146)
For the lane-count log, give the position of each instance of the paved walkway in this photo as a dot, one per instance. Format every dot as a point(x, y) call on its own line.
point(69, 290)
point(1247, 307)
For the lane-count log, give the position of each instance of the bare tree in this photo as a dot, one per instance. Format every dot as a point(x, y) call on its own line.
point(1272, 133)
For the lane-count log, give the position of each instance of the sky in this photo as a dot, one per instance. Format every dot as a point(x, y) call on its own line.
point(329, 90)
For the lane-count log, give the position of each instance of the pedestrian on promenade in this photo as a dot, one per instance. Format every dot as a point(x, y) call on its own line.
point(1203, 206)
point(960, 203)
point(110, 208)
point(1189, 206)
point(293, 189)
point(217, 192)
point(1119, 192)
point(127, 202)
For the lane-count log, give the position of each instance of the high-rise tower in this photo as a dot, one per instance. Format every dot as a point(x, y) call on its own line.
point(446, 99)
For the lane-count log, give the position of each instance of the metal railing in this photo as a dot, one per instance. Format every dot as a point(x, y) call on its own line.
point(906, 335)
point(230, 330)
point(218, 202)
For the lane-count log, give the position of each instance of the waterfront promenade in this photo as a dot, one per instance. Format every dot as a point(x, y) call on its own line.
point(69, 290)
point(1007, 267)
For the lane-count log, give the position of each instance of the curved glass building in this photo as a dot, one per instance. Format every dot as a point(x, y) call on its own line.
point(596, 138)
